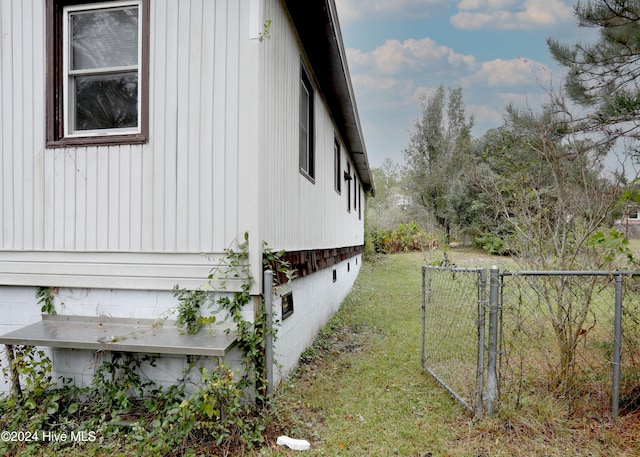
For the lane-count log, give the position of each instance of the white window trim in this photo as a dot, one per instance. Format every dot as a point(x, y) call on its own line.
point(69, 124)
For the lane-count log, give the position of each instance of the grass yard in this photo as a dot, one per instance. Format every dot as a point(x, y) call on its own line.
point(360, 391)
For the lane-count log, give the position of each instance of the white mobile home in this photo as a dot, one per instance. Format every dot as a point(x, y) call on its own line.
point(138, 135)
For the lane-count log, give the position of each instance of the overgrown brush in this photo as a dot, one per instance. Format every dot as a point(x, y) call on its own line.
point(405, 238)
point(125, 410)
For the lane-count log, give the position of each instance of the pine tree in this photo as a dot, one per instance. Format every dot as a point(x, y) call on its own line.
point(603, 76)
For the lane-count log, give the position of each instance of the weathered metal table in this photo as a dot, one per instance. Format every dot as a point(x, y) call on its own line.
point(119, 335)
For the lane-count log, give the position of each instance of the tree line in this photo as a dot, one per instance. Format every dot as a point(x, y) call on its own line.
point(545, 185)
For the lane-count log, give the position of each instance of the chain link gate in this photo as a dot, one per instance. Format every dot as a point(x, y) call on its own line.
point(453, 330)
point(521, 338)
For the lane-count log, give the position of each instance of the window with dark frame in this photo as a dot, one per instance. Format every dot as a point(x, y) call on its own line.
point(97, 72)
point(337, 179)
point(287, 305)
point(359, 202)
point(348, 178)
point(307, 156)
point(355, 191)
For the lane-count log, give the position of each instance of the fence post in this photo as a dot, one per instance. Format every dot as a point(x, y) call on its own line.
point(424, 313)
point(617, 348)
point(492, 370)
point(482, 304)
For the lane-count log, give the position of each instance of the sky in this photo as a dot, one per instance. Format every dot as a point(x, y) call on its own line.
point(495, 50)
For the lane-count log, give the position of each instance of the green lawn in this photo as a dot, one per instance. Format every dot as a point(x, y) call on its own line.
point(362, 391)
point(365, 393)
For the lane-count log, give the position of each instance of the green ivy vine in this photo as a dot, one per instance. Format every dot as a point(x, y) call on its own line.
point(46, 296)
point(265, 35)
point(251, 334)
point(215, 413)
point(190, 302)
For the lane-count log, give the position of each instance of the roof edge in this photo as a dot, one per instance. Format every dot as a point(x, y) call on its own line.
point(318, 28)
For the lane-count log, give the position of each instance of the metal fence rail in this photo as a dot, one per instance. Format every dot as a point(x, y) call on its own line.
point(562, 340)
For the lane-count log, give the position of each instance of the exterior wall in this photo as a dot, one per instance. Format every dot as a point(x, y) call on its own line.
point(114, 226)
point(629, 225)
point(295, 213)
point(316, 298)
point(188, 190)
point(19, 307)
point(219, 97)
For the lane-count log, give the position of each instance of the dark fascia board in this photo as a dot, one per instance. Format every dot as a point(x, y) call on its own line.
point(316, 22)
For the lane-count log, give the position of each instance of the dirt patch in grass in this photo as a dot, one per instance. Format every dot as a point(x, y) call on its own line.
point(334, 341)
point(351, 339)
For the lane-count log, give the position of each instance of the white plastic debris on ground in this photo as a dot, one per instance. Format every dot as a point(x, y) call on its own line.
point(296, 445)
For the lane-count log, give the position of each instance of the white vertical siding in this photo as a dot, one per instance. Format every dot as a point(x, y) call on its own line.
point(296, 213)
point(21, 90)
point(178, 193)
point(222, 155)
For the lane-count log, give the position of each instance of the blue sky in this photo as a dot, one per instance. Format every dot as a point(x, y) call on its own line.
point(495, 50)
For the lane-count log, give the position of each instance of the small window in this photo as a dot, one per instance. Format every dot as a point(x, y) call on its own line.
point(348, 177)
point(355, 191)
point(307, 166)
point(287, 305)
point(337, 179)
point(97, 72)
point(359, 201)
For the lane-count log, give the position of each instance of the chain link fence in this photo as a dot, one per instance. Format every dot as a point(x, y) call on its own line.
point(453, 329)
point(570, 341)
point(557, 342)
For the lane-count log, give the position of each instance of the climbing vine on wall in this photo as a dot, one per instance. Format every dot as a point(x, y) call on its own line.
point(168, 421)
point(251, 333)
point(46, 296)
point(265, 34)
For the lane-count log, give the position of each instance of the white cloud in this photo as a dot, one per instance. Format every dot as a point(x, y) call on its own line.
point(377, 84)
point(352, 10)
point(394, 57)
point(357, 58)
point(486, 4)
point(508, 73)
point(389, 77)
point(510, 14)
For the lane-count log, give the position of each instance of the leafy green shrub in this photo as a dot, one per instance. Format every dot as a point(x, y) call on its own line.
point(123, 409)
point(35, 399)
point(217, 410)
point(122, 406)
point(190, 302)
point(492, 244)
point(404, 238)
